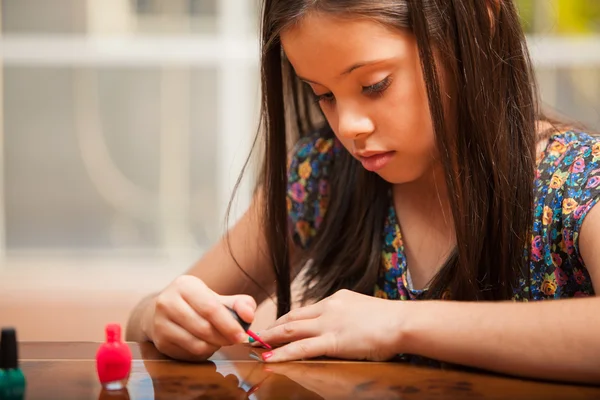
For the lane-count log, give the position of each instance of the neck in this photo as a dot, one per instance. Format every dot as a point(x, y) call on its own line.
point(425, 218)
point(429, 194)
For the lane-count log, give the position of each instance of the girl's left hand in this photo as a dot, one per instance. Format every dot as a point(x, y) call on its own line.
point(346, 325)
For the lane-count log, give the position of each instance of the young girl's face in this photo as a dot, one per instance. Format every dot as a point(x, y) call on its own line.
point(368, 81)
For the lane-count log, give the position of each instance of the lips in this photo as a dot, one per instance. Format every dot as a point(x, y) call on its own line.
point(373, 161)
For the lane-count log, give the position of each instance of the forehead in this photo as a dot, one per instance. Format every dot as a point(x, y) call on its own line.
point(330, 41)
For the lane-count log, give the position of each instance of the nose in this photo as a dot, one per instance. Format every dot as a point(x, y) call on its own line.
point(353, 122)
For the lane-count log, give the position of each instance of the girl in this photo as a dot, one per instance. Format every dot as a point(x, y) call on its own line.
point(422, 169)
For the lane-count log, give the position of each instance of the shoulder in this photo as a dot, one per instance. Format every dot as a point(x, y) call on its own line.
point(564, 148)
point(309, 172)
point(310, 160)
point(568, 177)
point(569, 170)
point(319, 145)
point(567, 187)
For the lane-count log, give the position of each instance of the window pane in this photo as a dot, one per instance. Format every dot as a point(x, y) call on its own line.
point(83, 154)
point(43, 16)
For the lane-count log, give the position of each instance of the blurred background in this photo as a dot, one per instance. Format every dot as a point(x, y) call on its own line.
point(125, 124)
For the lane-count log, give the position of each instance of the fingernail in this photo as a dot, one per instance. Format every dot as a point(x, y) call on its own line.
point(267, 355)
point(241, 337)
point(251, 339)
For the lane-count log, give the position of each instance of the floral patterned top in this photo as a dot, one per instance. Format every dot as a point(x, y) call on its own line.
point(567, 186)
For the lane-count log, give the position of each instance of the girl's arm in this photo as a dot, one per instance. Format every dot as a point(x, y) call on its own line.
point(557, 339)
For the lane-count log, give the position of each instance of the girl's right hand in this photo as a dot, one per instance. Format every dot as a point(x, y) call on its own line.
point(188, 321)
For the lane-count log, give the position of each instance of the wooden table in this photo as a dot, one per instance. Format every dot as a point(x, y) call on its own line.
point(67, 371)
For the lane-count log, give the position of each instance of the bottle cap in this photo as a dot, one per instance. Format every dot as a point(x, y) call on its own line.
point(9, 354)
point(113, 333)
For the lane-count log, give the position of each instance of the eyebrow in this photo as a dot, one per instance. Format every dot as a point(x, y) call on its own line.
point(351, 68)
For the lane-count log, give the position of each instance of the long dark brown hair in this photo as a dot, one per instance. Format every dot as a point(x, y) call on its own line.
point(486, 145)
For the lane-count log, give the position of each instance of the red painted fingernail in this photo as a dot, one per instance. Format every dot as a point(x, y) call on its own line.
point(267, 355)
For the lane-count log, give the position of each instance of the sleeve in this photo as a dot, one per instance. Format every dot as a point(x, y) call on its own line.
point(581, 188)
point(567, 188)
point(308, 186)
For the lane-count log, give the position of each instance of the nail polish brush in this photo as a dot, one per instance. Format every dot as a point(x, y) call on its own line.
point(246, 327)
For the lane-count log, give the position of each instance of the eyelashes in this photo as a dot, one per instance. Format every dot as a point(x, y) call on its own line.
point(374, 90)
point(378, 88)
point(324, 98)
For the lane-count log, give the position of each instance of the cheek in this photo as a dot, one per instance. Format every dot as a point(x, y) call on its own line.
point(404, 114)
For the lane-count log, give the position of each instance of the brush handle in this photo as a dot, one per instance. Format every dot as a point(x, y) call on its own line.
point(245, 325)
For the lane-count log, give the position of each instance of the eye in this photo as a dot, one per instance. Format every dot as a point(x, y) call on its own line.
point(378, 88)
point(324, 98)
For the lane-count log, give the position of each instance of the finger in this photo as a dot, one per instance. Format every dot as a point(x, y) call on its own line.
point(291, 331)
point(253, 342)
point(300, 350)
point(176, 342)
point(209, 306)
point(308, 312)
point(243, 305)
point(183, 315)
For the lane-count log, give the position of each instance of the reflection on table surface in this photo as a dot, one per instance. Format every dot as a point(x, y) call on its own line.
point(67, 371)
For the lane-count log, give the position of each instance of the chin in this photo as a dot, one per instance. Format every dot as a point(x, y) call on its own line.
point(395, 177)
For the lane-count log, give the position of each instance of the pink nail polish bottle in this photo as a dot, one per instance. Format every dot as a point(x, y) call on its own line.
point(113, 360)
